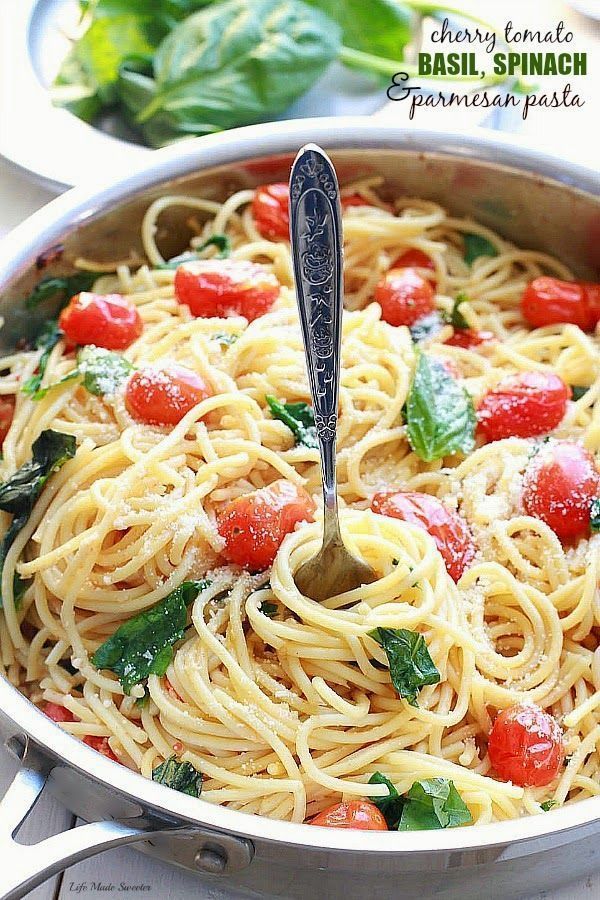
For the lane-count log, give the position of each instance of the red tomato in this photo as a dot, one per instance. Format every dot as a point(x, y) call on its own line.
point(413, 258)
point(270, 208)
point(164, 396)
point(226, 287)
point(559, 485)
point(58, 713)
point(359, 814)
point(523, 405)
point(100, 745)
point(106, 320)
point(404, 296)
point(550, 301)
point(255, 525)
point(351, 200)
point(7, 411)
point(468, 338)
point(526, 746)
point(448, 529)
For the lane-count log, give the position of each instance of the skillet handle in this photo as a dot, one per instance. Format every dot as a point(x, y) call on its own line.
point(25, 866)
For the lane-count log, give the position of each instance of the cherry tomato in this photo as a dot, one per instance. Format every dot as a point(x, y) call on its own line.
point(550, 301)
point(414, 259)
point(100, 745)
point(404, 296)
point(523, 405)
point(526, 746)
point(359, 814)
point(164, 396)
point(270, 208)
point(254, 525)
point(226, 287)
point(351, 200)
point(469, 338)
point(447, 528)
point(7, 411)
point(106, 320)
point(559, 485)
point(58, 713)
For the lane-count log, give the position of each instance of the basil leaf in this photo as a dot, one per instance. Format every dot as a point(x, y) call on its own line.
point(578, 391)
point(426, 328)
point(547, 805)
point(475, 246)
point(18, 495)
point(226, 338)
point(433, 803)
point(390, 806)
point(47, 339)
point(456, 318)
point(411, 666)
point(595, 515)
point(61, 287)
point(220, 241)
point(299, 418)
point(144, 644)
point(440, 417)
point(102, 372)
point(380, 27)
point(268, 609)
point(180, 776)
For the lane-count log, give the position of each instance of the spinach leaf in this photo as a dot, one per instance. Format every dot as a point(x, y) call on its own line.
point(268, 609)
point(61, 287)
point(433, 803)
point(180, 776)
point(411, 666)
point(380, 27)
point(233, 64)
point(221, 241)
point(426, 328)
point(547, 805)
point(299, 418)
point(102, 372)
point(456, 318)
point(440, 417)
point(47, 339)
point(578, 391)
point(595, 515)
point(20, 492)
point(475, 246)
point(390, 806)
point(144, 644)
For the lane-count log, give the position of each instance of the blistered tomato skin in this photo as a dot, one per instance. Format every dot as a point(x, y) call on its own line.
point(105, 320)
point(7, 411)
point(550, 301)
point(560, 483)
point(226, 287)
point(270, 209)
point(254, 525)
point(404, 296)
point(164, 396)
point(361, 815)
point(526, 746)
point(447, 528)
point(524, 405)
point(58, 713)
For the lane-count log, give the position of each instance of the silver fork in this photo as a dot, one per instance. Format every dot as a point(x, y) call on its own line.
point(316, 239)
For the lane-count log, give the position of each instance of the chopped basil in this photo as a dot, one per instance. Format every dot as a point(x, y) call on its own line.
point(390, 806)
point(102, 372)
point(220, 241)
point(144, 644)
point(180, 776)
point(426, 328)
point(456, 318)
point(547, 805)
point(475, 246)
point(578, 391)
point(440, 417)
point(46, 340)
point(226, 338)
point(268, 609)
point(61, 287)
point(595, 515)
point(20, 492)
point(299, 418)
point(411, 666)
point(433, 803)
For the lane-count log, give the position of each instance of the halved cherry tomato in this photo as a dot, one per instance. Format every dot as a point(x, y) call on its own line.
point(7, 411)
point(447, 528)
point(58, 713)
point(550, 301)
point(270, 208)
point(106, 320)
point(415, 259)
point(404, 296)
point(359, 814)
point(100, 745)
point(560, 484)
point(254, 525)
point(523, 405)
point(467, 338)
point(526, 746)
point(164, 396)
point(226, 287)
point(351, 200)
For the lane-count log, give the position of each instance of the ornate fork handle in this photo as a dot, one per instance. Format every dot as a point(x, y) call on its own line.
point(316, 238)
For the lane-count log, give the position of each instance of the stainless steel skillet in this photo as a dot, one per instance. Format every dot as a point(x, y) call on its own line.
point(533, 199)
